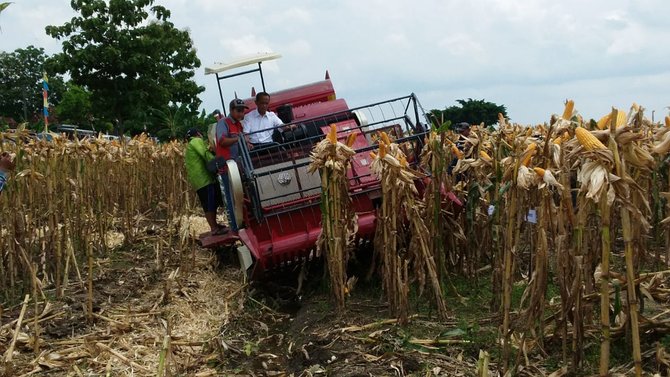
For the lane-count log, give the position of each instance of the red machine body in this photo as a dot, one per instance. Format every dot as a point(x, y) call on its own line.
point(281, 207)
point(320, 91)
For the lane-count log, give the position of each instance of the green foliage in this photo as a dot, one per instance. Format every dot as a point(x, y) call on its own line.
point(21, 84)
point(131, 59)
point(176, 120)
point(3, 6)
point(470, 111)
point(75, 106)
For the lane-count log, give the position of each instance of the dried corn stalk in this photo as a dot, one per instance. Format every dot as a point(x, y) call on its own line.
point(339, 222)
point(400, 208)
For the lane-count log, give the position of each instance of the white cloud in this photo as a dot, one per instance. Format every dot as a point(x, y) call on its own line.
point(528, 55)
point(462, 45)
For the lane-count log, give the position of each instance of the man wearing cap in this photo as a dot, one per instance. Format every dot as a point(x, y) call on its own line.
point(260, 123)
point(228, 129)
point(463, 128)
point(228, 132)
point(196, 157)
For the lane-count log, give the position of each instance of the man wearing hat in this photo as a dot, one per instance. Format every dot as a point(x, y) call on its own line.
point(196, 157)
point(228, 132)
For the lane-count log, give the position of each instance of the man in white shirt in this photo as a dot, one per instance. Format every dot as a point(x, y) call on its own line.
point(260, 123)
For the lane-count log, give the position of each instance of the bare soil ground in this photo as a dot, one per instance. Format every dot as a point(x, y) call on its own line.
point(196, 316)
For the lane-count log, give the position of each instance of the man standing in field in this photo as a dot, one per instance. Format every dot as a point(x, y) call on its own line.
point(196, 157)
point(228, 132)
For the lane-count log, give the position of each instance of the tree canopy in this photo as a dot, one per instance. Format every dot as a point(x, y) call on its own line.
point(75, 106)
point(21, 73)
point(130, 58)
point(470, 111)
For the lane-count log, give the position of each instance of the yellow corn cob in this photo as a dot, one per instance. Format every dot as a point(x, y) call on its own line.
point(385, 137)
point(351, 139)
point(604, 122)
point(529, 153)
point(403, 161)
point(558, 140)
point(569, 107)
point(587, 140)
point(382, 150)
point(457, 152)
point(539, 171)
point(373, 155)
point(485, 156)
point(531, 147)
point(332, 135)
point(620, 119)
point(667, 121)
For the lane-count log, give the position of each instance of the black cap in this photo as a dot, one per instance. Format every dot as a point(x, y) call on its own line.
point(460, 127)
point(193, 132)
point(236, 103)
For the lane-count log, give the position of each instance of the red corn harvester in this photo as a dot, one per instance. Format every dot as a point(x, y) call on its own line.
point(277, 200)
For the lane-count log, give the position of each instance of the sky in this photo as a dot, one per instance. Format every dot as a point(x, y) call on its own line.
point(528, 55)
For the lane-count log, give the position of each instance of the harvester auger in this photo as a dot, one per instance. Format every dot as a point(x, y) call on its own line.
point(278, 201)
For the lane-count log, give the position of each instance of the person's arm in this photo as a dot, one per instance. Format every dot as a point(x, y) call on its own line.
point(246, 128)
point(6, 164)
point(200, 147)
point(225, 138)
point(228, 141)
point(276, 122)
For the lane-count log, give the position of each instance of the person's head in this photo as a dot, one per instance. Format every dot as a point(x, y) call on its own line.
point(463, 128)
point(193, 132)
point(237, 109)
point(262, 102)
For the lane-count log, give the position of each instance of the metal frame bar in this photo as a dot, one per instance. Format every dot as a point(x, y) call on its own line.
point(414, 126)
point(220, 78)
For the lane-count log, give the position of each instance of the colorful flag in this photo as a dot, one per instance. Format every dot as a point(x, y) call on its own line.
point(45, 95)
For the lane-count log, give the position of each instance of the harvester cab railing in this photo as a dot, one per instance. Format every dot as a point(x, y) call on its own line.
point(276, 174)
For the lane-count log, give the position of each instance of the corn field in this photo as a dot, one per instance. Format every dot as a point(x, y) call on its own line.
point(69, 201)
point(574, 205)
point(550, 205)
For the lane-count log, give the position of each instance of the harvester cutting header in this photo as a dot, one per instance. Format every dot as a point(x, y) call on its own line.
point(276, 202)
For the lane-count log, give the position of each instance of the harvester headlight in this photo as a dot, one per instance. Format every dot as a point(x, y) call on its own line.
point(284, 178)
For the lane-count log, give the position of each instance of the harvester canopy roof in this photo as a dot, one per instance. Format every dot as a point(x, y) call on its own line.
point(241, 62)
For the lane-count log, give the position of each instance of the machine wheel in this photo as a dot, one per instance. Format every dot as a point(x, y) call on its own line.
point(236, 190)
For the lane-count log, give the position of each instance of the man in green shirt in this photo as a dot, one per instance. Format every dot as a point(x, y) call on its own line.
point(195, 159)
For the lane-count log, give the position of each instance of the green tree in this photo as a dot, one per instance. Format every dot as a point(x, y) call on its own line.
point(470, 111)
point(177, 120)
point(75, 106)
point(128, 61)
point(21, 73)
